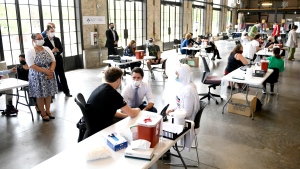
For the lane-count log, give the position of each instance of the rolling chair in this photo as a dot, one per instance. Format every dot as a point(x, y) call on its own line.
point(84, 121)
point(159, 67)
point(212, 81)
point(196, 128)
point(176, 45)
point(273, 79)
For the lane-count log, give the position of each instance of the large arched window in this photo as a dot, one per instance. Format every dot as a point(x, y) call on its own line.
point(171, 22)
point(216, 20)
point(198, 18)
point(20, 18)
point(128, 17)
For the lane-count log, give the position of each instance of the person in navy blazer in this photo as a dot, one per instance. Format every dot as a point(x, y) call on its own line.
point(55, 45)
point(112, 39)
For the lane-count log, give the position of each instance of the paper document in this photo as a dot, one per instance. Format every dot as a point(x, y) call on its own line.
point(173, 128)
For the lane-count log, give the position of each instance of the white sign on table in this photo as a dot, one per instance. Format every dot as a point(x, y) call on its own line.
point(93, 20)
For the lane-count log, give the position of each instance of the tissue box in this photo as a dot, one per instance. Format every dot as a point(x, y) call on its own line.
point(193, 62)
point(116, 142)
point(139, 154)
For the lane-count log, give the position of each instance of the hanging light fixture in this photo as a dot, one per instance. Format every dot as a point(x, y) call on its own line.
point(295, 12)
point(248, 13)
point(266, 4)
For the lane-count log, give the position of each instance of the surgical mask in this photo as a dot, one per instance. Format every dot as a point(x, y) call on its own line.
point(137, 83)
point(22, 62)
point(40, 42)
point(150, 44)
point(52, 34)
point(176, 79)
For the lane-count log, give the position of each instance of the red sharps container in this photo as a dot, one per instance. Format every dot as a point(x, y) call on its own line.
point(149, 128)
point(264, 65)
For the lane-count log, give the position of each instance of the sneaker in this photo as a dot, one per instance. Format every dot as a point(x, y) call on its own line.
point(219, 58)
point(68, 95)
point(10, 110)
point(264, 91)
point(213, 59)
point(165, 76)
point(271, 93)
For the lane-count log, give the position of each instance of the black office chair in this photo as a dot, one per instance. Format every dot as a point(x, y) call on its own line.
point(212, 81)
point(197, 126)
point(163, 113)
point(159, 67)
point(273, 78)
point(83, 132)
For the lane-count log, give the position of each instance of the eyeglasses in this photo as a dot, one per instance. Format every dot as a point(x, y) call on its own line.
point(39, 39)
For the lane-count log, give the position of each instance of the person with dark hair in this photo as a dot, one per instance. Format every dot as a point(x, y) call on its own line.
point(56, 48)
point(235, 60)
point(105, 100)
point(112, 39)
point(42, 82)
point(292, 42)
point(130, 51)
point(213, 49)
point(154, 50)
point(191, 39)
point(274, 62)
point(135, 92)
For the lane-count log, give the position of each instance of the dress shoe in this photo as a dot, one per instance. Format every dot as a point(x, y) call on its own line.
point(45, 118)
point(10, 110)
point(219, 58)
point(68, 95)
point(50, 115)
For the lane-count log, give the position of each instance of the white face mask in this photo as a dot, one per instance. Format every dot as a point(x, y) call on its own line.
point(52, 34)
point(40, 42)
point(137, 83)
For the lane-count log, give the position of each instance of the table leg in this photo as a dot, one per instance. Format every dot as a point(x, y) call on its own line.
point(229, 97)
point(28, 105)
point(248, 103)
point(179, 155)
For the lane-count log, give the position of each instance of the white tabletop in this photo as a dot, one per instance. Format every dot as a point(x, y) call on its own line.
point(255, 81)
point(196, 48)
point(263, 52)
point(74, 157)
point(11, 83)
point(129, 60)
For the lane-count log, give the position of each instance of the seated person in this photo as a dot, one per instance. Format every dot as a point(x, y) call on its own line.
point(186, 43)
point(235, 60)
point(213, 49)
point(154, 50)
point(198, 40)
point(252, 48)
point(270, 43)
point(186, 98)
point(10, 109)
point(192, 40)
point(22, 73)
point(274, 62)
point(130, 51)
point(245, 38)
point(104, 102)
point(142, 88)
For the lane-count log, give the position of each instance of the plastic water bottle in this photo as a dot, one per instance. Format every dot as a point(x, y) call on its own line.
point(147, 52)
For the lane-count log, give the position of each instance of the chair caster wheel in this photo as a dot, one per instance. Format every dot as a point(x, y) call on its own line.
point(217, 102)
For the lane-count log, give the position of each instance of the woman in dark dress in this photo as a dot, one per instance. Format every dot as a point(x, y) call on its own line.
point(130, 51)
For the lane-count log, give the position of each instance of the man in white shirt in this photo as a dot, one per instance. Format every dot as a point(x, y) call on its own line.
point(135, 92)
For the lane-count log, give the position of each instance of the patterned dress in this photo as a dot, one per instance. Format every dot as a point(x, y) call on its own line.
point(39, 85)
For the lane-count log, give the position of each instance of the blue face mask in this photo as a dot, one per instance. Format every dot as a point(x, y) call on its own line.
point(176, 79)
point(150, 44)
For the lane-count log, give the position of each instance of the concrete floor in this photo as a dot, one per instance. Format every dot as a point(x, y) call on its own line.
point(227, 140)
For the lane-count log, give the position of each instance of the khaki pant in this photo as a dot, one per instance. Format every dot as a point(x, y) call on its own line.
point(291, 53)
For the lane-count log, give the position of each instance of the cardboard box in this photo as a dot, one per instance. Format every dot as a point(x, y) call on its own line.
point(238, 104)
point(193, 62)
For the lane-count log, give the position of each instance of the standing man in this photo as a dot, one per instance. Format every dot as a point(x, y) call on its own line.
point(154, 50)
point(105, 100)
point(291, 26)
point(292, 42)
point(44, 33)
point(112, 39)
point(55, 45)
point(135, 92)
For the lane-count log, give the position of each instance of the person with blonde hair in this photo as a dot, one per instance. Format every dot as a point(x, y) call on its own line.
point(186, 43)
point(130, 51)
